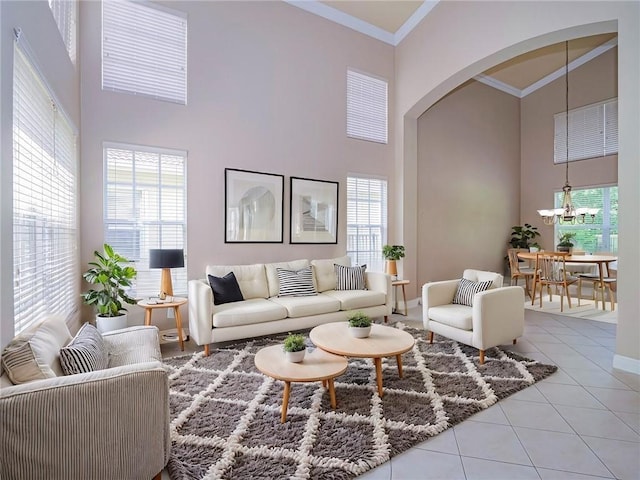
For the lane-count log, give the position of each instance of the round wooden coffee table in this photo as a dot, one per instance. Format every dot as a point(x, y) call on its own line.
point(382, 342)
point(318, 365)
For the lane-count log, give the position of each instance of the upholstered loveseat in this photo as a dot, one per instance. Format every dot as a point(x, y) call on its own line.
point(264, 311)
point(111, 423)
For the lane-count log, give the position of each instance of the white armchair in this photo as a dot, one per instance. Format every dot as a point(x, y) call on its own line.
point(496, 317)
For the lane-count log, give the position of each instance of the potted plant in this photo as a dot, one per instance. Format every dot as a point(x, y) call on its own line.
point(109, 272)
point(392, 253)
point(359, 325)
point(522, 236)
point(534, 247)
point(294, 347)
point(565, 243)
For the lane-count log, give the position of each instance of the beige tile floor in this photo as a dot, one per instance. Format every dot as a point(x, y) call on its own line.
point(583, 422)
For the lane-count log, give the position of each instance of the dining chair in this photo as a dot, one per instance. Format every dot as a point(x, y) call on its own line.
point(550, 270)
point(517, 271)
point(608, 282)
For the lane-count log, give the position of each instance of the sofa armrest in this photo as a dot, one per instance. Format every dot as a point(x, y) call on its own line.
point(438, 293)
point(498, 316)
point(111, 423)
point(380, 282)
point(200, 311)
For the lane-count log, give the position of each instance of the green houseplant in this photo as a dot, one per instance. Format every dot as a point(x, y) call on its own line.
point(359, 324)
point(294, 347)
point(392, 253)
point(522, 236)
point(565, 241)
point(110, 273)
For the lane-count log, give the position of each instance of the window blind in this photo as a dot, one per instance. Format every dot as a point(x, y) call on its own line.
point(145, 208)
point(366, 220)
point(65, 14)
point(45, 234)
point(593, 132)
point(367, 109)
point(144, 50)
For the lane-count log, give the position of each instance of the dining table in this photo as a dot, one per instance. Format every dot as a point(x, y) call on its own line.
point(602, 261)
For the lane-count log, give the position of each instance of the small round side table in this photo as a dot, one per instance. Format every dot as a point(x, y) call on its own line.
point(175, 303)
point(402, 283)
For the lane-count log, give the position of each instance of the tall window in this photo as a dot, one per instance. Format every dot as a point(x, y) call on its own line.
point(593, 132)
point(602, 235)
point(65, 13)
point(367, 110)
point(45, 233)
point(144, 50)
point(366, 220)
point(144, 208)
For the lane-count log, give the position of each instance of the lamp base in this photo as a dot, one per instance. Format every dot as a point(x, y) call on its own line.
point(166, 288)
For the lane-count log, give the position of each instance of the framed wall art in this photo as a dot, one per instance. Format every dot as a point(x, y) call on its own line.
point(314, 211)
point(253, 206)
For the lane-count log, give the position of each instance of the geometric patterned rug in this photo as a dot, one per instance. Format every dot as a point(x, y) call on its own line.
point(225, 414)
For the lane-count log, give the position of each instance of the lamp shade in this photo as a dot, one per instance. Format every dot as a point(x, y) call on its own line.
point(166, 258)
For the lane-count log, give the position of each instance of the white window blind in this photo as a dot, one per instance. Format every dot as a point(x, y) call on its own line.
point(366, 221)
point(45, 234)
point(366, 107)
point(65, 13)
point(593, 132)
point(145, 208)
point(144, 50)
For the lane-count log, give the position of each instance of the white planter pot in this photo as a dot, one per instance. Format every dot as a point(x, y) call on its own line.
point(106, 324)
point(295, 357)
point(360, 332)
point(534, 249)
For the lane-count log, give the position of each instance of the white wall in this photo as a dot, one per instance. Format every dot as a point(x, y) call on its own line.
point(266, 92)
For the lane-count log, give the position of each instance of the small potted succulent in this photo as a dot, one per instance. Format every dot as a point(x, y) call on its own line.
point(392, 253)
point(294, 347)
point(565, 242)
point(359, 325)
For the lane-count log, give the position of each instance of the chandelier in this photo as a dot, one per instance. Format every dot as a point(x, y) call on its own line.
point(567, 214)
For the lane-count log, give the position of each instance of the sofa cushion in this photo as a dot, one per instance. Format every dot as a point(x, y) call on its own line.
point(467, 289)
point(225, 289)
point(325, 272)
point(34, 353)
point(482, 276)
point(457, 316)
point(304, 306)
point(251, 278)
point(354, 299)
point(255, 310)
point(271, 270)
point(350, 278)
point(133, 345)
point(296, 283)
point(87, 352)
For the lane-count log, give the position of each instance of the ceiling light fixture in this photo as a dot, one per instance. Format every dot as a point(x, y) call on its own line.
point(568, 213)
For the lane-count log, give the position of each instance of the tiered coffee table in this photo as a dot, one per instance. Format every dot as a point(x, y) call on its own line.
point(318, 365)
point(383, 342)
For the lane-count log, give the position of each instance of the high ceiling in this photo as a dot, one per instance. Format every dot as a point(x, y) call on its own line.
point(392, 20)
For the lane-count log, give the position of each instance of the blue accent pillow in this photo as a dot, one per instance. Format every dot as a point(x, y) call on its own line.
point(225, 289)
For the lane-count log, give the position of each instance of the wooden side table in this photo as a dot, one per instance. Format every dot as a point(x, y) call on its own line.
point(396, 284)
point(151, 305)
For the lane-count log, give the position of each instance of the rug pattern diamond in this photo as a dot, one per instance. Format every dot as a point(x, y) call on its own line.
point(225, 415)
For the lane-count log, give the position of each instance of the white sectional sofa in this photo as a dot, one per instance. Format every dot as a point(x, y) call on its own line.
point(263, 312)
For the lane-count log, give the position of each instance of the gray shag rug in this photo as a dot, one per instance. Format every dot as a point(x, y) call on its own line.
point(225, 414)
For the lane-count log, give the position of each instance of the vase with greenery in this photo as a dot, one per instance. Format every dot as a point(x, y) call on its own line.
point(359, 324)
point(392, 253)
point(294, 347)
point(522, 236)
point(565, 241)
point(111, 273)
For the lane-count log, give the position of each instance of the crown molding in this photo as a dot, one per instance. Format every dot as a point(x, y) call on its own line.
point(421, 12)
point(497, 84)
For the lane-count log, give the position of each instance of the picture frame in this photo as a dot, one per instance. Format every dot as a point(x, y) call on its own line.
point(313, 211)
point(253, 206)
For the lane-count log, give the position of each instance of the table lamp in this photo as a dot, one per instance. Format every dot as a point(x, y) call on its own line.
point(166, 259)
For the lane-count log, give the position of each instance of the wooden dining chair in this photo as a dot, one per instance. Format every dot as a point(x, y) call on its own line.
point(550, 270)
point(608, 283)
point(517, 272)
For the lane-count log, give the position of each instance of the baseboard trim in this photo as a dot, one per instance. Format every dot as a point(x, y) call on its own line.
point(627, 364)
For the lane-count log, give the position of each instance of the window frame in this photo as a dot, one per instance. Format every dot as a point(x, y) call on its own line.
point(367, 116)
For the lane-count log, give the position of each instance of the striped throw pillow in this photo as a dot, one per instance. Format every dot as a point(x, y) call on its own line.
point(87, 352)
point(296, 283)
point(350, 278)
point(467, 289)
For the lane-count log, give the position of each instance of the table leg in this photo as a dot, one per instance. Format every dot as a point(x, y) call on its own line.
point(332, 393)
point(404, 299)
point(378, 363)
point(399, 361)
point(604, 307)
point(147, 316)
point(176, 309)
point(285, 401)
